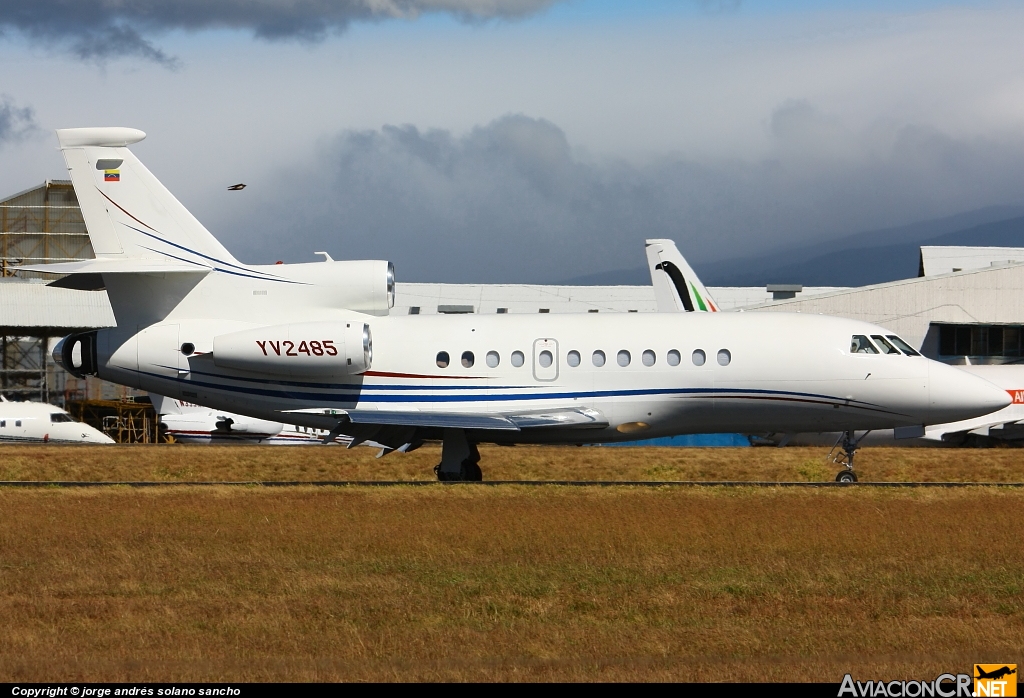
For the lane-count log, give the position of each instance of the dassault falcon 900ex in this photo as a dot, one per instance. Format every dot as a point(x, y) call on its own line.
point(313, 345)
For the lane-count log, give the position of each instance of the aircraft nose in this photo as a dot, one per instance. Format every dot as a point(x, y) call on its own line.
point(98, 437)
point(956, 395)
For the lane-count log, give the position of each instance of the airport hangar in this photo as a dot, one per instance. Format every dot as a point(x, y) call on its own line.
point(966, 305)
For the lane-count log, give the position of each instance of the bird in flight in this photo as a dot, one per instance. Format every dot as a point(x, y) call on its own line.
point(236, 187)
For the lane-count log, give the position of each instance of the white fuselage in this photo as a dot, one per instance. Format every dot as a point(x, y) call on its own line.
point(784, 373)
point(1006, 424)
point(38, 422)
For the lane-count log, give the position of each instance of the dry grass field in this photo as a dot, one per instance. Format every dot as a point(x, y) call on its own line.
point(180, 463)
point(508, 583)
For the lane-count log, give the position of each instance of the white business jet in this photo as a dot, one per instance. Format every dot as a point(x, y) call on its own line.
point(40, 423)
point(313, 345)
point(678, 289)
point(189, 423)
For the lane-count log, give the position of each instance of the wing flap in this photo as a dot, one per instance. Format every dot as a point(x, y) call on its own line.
point(579, 418)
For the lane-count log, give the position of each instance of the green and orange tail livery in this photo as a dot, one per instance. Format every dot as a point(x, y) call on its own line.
point(676, 286)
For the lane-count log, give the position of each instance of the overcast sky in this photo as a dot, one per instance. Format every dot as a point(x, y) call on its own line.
point(529, 140)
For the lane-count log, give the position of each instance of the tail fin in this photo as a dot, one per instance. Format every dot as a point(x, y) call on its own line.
point(129, 213)
point(676, 286)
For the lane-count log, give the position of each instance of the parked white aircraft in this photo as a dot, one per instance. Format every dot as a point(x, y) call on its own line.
point(293, 343)
point(194, 424)
point(38, 422)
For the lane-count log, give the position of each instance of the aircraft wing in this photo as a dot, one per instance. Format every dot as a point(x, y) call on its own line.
point(578, 418)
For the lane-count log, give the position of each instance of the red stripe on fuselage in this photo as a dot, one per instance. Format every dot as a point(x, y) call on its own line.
point(389, 374)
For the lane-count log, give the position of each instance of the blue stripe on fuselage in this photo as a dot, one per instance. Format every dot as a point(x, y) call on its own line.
point(356, 394)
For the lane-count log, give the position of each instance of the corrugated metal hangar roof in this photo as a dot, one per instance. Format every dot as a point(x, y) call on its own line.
point(30, 307)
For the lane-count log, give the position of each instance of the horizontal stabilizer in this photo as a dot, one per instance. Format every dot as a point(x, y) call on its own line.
point(116, 266)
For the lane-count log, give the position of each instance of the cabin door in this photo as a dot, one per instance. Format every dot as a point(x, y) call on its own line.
point(545, 359)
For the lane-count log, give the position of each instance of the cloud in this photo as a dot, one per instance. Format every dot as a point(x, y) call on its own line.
point(512, 201)
point(101, 29)
point(16, 123)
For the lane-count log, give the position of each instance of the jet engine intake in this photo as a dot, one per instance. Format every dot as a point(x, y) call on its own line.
point(76, 354)
point(318, 349)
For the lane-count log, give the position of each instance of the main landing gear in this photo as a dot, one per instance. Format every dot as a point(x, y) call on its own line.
point(459, 459)
point(848, 442)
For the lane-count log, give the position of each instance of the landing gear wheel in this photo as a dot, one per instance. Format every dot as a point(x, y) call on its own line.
point(847, 476)
point(471, 472)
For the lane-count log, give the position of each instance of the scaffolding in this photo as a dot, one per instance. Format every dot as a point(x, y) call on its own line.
point(39, 225)
point(25, 368)
point(126, 421)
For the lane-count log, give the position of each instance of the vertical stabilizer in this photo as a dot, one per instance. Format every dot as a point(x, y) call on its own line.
point(676, 287)
point(129, 213)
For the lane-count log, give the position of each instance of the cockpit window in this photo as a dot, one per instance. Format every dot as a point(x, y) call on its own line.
point(60, 417)
point(904, 347)
point(884, 345)
point(860, 344)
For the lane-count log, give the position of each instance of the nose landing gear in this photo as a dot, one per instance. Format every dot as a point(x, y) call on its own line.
point(848, 443)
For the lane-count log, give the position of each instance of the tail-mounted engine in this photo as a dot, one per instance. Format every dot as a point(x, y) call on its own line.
point(320, 349)
point(76, 354)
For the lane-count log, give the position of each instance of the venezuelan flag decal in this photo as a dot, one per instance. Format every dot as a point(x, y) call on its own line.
point(111, 175)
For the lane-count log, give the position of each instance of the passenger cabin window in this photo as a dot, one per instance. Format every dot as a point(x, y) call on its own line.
point(673, 357)
point(724, 357)
point(493, 359)
point(545, 358)
point(17, 422)
point(468, 359)
point(699, 357)
point(860, 344)
point(443, 359)
point(623, 358)
point(598, 358)
point(60, 417)
point(3, 423)
point(573, 358)
point(518, 359)
point(904, 347)
point(884, 344)
point(648, 357)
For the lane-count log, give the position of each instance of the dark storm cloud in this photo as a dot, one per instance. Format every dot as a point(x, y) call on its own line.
point(101, 29)
point(512, 202)
point(16, 123)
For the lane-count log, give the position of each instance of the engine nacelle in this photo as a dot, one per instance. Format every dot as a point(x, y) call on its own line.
point(76, 354)
point(320, 349)
point(365, 286)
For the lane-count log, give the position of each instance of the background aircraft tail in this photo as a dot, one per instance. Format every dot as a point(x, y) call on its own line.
point(676, 286)
point(129, 213)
